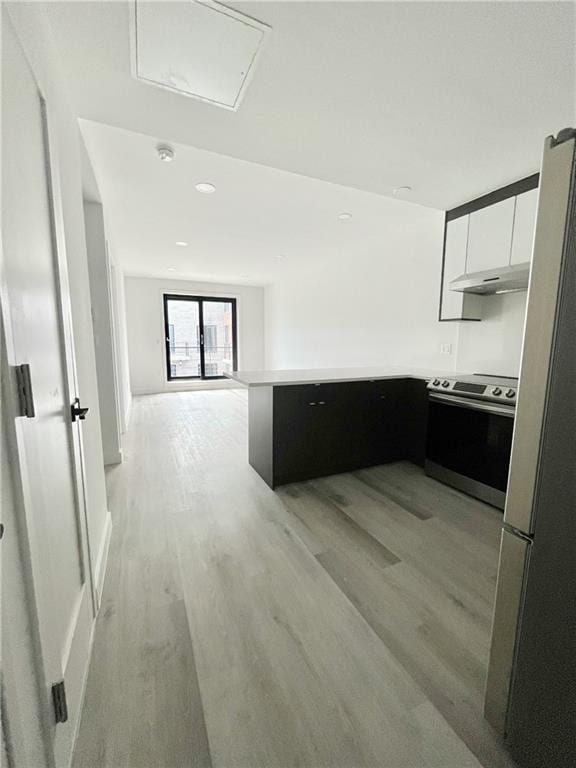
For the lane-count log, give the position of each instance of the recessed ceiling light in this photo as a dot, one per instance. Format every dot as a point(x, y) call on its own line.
point(205, 187)
point(344, 216)
point(165, 153)
point(278, 256)
point(244, 275)
point(401, 191)
point(171, 269)
point(182, 243)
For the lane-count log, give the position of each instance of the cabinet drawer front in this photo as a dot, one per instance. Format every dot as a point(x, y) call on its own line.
point(307, 394)
point(388, 389)
point(338, 394)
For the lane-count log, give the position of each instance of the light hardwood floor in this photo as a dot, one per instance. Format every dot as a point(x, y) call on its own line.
point(342, 622)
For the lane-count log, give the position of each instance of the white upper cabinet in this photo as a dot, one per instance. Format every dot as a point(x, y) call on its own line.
point(481, 237)
point(490, 236)
point(455, 305)
point(524, 222)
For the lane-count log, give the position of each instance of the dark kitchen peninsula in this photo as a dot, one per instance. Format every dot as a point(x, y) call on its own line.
point(306, 424)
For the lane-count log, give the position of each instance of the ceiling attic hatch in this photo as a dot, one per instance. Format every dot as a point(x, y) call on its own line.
point(197, 48)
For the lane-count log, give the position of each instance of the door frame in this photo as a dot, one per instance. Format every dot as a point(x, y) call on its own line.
point(166, 297)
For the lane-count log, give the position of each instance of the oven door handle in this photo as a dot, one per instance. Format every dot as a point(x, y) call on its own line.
point(461, 402)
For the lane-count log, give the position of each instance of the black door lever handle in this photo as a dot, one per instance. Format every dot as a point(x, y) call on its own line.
point(77, 411)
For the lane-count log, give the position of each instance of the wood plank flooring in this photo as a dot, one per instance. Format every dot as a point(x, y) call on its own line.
point(337, 623)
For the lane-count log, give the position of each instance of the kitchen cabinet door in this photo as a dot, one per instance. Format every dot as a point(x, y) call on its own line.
point(524, 223)
point(389, 409)
point(311, 434)
point(415, 424)
point(358, 426)
point(324, 429)
point(453, 304)
point(490, 236)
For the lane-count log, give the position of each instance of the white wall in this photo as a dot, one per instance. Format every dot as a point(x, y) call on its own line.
point(121, 339)
point(377, 303)
point(104, 342)
point(91, 194)
point(145, 323)
point(494, 345)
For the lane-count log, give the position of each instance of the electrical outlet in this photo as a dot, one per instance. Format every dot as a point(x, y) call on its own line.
point(445, 349)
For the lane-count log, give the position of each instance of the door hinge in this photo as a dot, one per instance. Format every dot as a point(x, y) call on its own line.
point(25, 394)
point(59, 701)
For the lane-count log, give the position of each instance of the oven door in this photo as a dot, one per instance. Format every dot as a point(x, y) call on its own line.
point(469, 445)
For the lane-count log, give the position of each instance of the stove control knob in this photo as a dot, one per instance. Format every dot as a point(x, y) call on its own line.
point(496, 391)
point(436, 383)
point(511, 393)
point(446, 383)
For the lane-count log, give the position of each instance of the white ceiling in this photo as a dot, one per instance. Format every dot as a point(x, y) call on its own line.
point(236, 234)
point(453, 99)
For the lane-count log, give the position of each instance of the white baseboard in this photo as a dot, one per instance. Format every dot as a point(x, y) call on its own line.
point(102, 559)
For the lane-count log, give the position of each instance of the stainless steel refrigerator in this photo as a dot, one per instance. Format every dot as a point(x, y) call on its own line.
point(531, 685)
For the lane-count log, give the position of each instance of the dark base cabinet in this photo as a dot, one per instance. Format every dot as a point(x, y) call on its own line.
point(297, 432)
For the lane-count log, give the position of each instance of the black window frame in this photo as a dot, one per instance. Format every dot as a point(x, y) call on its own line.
point(200, 300)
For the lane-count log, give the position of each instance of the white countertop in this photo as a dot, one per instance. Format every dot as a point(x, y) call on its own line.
point(325, 375)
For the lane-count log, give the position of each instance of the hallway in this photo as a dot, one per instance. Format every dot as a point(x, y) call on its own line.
point(341, 622)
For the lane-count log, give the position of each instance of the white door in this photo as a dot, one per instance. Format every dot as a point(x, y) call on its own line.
point(47, 445)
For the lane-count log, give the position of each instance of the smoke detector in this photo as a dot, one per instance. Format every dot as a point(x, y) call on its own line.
point(165, 153)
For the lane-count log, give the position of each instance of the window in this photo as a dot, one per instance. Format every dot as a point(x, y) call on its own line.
point(201, 341)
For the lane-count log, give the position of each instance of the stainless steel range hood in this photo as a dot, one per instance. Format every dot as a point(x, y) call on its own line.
point(501, 280)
